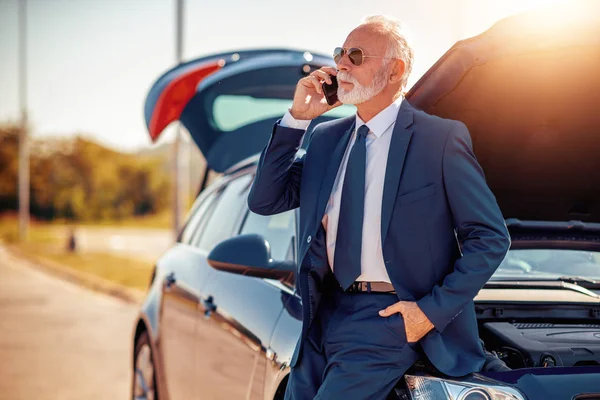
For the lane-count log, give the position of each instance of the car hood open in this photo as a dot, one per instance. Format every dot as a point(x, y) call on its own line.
point(528, 89)
point(228, 102)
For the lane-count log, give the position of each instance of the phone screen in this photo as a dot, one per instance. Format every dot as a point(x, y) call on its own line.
point(330, 91)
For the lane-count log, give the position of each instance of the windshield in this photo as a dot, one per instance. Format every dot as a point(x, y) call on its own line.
point(231, 112)
point(548, 264)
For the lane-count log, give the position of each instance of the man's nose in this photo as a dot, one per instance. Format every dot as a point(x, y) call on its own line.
point(344, 63)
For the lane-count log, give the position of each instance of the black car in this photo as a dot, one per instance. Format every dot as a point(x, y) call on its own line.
point(221, 317)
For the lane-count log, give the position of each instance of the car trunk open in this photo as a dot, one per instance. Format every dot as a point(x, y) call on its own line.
point(229, 102)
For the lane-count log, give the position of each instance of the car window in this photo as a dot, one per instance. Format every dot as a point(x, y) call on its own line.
point(198, 213)
point(231, 112)
point(206, 217)
point(225, 214)
point(277, 229)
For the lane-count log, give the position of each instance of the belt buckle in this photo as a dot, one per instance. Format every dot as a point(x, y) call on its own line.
point(354, 287)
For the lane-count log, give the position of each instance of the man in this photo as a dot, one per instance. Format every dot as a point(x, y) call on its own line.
point(385, 198)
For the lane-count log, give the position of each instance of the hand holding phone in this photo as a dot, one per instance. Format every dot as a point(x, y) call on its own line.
point(312, 90)
point(330, 91)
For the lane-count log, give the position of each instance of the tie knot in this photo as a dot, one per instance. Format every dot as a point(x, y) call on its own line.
point(363, 131)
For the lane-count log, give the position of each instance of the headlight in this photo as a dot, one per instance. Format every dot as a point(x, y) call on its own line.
point(430, 388)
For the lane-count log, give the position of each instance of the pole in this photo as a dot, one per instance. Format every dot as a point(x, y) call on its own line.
point(184, 144)
point(23, 185)
point(176, 159)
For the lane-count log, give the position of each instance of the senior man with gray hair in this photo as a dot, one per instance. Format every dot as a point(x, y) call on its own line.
point(386, 197)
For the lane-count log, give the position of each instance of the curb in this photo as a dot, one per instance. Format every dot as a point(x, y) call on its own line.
point(80, 278)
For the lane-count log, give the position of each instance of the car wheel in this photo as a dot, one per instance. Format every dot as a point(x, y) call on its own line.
point(144, 383)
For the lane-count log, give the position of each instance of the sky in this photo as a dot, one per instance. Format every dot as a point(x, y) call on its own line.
point(90, 63)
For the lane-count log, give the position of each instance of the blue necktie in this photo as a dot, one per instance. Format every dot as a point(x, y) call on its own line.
point(346, 259)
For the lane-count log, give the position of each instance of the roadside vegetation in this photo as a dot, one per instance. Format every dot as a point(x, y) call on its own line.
point(76, 182)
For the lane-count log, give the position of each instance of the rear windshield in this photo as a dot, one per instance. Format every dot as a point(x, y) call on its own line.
point(231, 112)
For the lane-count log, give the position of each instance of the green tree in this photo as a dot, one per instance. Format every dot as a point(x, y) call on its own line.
point(78, 179)
point(9, 166)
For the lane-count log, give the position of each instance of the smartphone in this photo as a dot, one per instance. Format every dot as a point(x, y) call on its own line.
point(330, 91)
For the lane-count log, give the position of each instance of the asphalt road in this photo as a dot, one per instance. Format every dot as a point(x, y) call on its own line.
point(58, 340)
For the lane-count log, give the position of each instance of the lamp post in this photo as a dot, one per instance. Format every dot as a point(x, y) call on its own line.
point(177, 145)
point(23, 185)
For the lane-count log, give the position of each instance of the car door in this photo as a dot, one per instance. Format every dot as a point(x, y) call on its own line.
point(222, 223)
point(245, 313)
point(272, 296)
point(185, 275)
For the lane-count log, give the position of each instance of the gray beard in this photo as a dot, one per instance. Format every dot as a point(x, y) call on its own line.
point(359, 93)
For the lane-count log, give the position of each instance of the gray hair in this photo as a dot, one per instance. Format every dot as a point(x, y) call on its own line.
point(399, 46)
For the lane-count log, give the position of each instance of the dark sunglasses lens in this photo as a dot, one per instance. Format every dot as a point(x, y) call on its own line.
point(356, 56)
point(338, 53)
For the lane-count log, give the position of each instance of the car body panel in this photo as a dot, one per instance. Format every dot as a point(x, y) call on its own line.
point(525, 295)
point(236, 337)
point(527, 89)
point(283, 342)
point(552, 383)
point(181, 304)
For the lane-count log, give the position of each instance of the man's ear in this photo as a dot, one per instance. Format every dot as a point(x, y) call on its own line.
point(397, 71)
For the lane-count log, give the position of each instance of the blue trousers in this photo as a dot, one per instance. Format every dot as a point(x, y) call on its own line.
point(351, 351)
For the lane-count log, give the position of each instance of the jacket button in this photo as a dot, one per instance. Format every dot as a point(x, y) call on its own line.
point(308, 239)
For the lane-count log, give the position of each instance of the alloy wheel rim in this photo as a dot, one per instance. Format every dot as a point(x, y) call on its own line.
point(144, 375)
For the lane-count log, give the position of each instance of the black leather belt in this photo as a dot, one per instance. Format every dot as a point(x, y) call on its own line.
point(369, 287)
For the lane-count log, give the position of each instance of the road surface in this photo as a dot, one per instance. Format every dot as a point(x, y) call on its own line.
point(58, 340)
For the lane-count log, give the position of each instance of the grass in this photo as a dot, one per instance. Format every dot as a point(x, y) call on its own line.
point(162, 220)
point(125, 271)
point(10, 224)
point(37, 233)
point(47, 241)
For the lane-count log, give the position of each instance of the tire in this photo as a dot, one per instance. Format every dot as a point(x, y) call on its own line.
point(143, 382)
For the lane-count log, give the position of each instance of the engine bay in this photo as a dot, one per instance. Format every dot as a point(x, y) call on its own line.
point(540, 344)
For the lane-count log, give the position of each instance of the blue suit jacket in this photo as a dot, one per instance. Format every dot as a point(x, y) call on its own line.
point(442, 232)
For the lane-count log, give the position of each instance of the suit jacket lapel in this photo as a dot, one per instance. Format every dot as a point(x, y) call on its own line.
point(331, 171)
point(397, 154)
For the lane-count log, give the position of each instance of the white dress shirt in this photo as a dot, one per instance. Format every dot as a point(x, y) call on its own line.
point(378, 145)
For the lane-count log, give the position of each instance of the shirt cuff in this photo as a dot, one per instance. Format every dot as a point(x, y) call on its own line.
point(290, 122)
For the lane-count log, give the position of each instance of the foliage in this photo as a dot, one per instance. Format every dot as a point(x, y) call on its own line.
point(79, 180)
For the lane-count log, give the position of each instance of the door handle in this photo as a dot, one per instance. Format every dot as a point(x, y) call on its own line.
point(170, 280)
point(209, 306)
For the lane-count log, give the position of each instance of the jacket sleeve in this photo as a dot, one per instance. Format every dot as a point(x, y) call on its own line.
point(276, 187)
point(479, 224)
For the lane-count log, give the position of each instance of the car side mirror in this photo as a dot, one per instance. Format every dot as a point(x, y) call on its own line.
point(250, 255)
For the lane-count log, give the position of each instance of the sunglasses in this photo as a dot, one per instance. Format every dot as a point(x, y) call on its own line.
point(355, 55)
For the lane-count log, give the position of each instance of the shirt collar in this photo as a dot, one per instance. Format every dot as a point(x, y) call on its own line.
point(382, 121)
